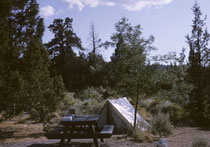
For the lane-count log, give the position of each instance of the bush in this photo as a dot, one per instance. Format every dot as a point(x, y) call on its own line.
point(88, 101)
point(66, 103)
point(108, 93)
point(144, 113)
point(89, 93)
point(91, 100)
point(176, 113)
point(89, 106)
point(93, 106)
point(140, 136)
point(161, 125)
point(200, 142)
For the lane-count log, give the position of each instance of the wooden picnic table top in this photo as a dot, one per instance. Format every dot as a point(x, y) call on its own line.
point(81, 120)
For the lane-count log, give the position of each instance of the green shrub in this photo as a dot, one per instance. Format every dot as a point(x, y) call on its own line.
point(155, 106)
point(161, 125)
point(89, 106)
point(176, 113)
point(91, 100)
point(89, 93)
point(200, 142)
point(144, 113)
point(139, 136)
point(108, 93)
point(67, 103)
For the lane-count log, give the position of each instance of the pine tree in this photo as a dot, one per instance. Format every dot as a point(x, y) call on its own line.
point(198, 61)
point(95, 41)
point(96, 64)
point(62, 54)
point(95, 60)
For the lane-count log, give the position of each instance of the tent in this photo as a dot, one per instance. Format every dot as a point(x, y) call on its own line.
point(120, 112)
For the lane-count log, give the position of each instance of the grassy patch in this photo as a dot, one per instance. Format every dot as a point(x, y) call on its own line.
point(200, 142)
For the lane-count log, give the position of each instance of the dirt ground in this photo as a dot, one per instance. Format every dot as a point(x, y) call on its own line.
point(30, 135)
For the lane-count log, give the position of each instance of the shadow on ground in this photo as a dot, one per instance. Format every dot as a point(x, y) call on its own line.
point(12, 134)
point(204, 128)
point(75, 144)
point(6, 134)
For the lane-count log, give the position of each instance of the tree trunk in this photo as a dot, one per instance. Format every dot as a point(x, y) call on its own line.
point(136, 106)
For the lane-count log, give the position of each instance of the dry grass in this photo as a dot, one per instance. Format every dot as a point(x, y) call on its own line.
point(15, 130)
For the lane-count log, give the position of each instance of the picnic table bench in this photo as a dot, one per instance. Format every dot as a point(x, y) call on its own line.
point(81, 127)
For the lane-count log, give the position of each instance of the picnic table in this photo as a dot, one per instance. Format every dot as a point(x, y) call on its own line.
point(81, 127)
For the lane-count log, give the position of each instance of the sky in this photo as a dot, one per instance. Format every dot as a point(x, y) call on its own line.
point(169, 21)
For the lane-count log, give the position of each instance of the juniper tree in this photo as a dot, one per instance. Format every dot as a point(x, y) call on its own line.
point(27, 85)
point(42, 93)
point(10, 78)
point(198, 62)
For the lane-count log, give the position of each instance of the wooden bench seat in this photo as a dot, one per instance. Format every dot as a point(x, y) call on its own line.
point(106, 131)
point(58, 133)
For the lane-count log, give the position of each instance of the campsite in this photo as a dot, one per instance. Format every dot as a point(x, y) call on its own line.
point(22, 139)
point(18, 133)
point(104, 73)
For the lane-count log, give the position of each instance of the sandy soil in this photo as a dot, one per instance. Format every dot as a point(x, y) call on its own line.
point(31, 135)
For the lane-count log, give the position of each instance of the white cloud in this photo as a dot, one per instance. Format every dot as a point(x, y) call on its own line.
point(82, 3)
point(107, 3)
point(132, 5)
point(47, 11)
point(140, 4)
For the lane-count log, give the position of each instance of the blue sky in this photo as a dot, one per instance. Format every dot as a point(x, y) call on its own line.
point(169, 21)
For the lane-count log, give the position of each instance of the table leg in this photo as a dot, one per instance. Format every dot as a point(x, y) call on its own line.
point(61, 142)
point(97, 128)
point(63, 138)
point(94, 138)
point(102, 140)
point(95, 142)
point(72, 130)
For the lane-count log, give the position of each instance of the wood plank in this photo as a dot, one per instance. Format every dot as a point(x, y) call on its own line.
point(58, 133)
